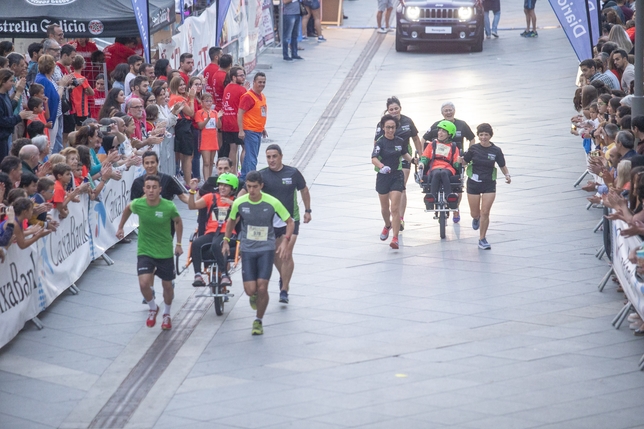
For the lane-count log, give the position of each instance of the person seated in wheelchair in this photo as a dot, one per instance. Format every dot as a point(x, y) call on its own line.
point(439, 162)
point(218, 206)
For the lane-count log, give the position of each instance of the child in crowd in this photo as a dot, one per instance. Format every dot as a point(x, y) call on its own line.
point(81, 93)
point(63, 175)
point(22, 211)
point(208, 121)
point(151, 117)
point(29, 182)
point(44, 193)
point(36, 90)
point(97, 100)
point(37, 107)
point(35, 129)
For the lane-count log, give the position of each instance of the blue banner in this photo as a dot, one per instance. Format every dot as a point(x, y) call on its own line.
point(594, 20)
point(222, 11)
point(182, 7)
point(573, 17)
point(142, 16)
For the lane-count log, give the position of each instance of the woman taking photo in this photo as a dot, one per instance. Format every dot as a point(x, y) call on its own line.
point(196, 85)
point(406, 130)
point(112, 103)
point(481, 182)
point(390, 181)
point(168, 116)
point(183, 129)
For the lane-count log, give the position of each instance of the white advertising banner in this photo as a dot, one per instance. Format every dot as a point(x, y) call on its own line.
point(624, 269)
point(105, 213)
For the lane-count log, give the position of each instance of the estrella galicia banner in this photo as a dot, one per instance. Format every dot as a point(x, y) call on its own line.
point(573, 17)
point(142, 17)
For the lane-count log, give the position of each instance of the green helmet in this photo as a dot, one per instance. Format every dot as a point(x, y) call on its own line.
point(448, 126)
point(229, 179)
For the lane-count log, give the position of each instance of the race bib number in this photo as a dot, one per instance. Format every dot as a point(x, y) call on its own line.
point(442, 150)
point(263, 110)
point(257, 233)
point(212, 124)
point(222, 214)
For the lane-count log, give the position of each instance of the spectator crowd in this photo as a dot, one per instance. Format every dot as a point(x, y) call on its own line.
point(611, 136)
point(73, 117)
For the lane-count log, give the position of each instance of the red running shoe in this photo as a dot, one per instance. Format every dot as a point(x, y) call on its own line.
point(152, 317)
point(394, 243)
point(167, 323)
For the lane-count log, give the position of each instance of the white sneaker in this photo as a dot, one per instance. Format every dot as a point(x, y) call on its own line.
point(634, 317)
point(635, 325)
point(382, 30)
point(390, 29)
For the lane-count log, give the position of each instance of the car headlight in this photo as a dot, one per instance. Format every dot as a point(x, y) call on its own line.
point(465, 13)
point(412, 13)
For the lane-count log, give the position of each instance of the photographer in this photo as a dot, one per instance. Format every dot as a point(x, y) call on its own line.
point(112, 130)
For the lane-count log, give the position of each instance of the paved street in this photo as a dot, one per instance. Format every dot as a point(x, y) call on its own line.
point(437, 334)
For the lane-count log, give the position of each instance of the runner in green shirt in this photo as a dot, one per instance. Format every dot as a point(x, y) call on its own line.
point(154, 248)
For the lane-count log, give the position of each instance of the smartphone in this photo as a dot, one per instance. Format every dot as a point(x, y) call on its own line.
point(104, 128)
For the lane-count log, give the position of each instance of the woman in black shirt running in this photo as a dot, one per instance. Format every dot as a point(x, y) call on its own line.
point(481, 182)
point(388, 153)
point(407, 131)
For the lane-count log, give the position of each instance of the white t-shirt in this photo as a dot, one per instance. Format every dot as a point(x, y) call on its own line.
point(130, 76)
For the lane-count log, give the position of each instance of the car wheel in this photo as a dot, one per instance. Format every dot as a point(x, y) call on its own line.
point(400, 46)
point(478, 45)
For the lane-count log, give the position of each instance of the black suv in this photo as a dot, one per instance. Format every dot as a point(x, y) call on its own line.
point(434, 22)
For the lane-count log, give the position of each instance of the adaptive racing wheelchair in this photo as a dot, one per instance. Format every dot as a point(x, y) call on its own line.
point(210, 270)
point(443, 170)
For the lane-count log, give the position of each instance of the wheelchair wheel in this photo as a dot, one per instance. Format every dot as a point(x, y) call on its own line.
point(442, 220)
point(219, 300)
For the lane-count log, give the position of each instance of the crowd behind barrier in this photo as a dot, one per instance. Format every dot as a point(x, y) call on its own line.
point(32, 278)
point(613, 142)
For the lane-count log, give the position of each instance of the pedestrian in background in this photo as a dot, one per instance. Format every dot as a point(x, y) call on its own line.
point(493, 6)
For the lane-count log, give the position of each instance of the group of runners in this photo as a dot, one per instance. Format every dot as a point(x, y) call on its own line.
point(443, 156)
point(266, 208)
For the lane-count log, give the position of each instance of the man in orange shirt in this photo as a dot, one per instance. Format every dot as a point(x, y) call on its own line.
point(251, 118)
point(81, 93)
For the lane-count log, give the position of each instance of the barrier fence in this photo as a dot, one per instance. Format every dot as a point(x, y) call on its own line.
point(32, 278)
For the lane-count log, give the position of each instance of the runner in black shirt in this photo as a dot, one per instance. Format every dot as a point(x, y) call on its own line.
point(282, 182)
point(169, 186)
point(406, 131)
point(463, 131)
point(481, 182)
point(387, 156)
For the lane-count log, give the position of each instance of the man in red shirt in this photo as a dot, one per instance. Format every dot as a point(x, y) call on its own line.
point(229, 126)
point(67, 54)
point(225, 64)
point(209, 72)
point(84, 48)
point(186, 64)
point(118, 52)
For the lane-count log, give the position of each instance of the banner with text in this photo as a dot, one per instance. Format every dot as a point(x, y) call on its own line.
point(625, 270)
point(573, 17)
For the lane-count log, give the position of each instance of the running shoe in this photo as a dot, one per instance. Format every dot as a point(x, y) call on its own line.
point(321, 39)
point(382, 30)
point(496, 36)
point(167, 322)
point(253, 301)
point(532, 34)
point(198, 281)
point(304, 38)
point(402, 224)
point(258, 329)
point(476, 222)
point(484, 245)
point(394, 243)
point(385, 233)
point(152, 318)
point(457, 217)
point(525, 33)
point(225, 280)
point(284, 297)
point(297, 57)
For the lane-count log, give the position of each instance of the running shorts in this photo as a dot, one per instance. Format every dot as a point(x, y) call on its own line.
point(232, 137)
point(183, 140)
point(313, 4)
point(69, 123)
point(385, 4)
point(394, 181)
point(529, 4)
point(257, 265)
point(282, 230)
point(478, 188)
point(162, 268)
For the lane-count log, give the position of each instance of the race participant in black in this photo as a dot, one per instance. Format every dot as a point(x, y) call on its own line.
point(463, 132)
point(257, 211)
point(282, 182)
point(388, 153)
point(481, 182)
point(217, 206)
point(154, 247)
point(439, 159)
point(406, 131)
